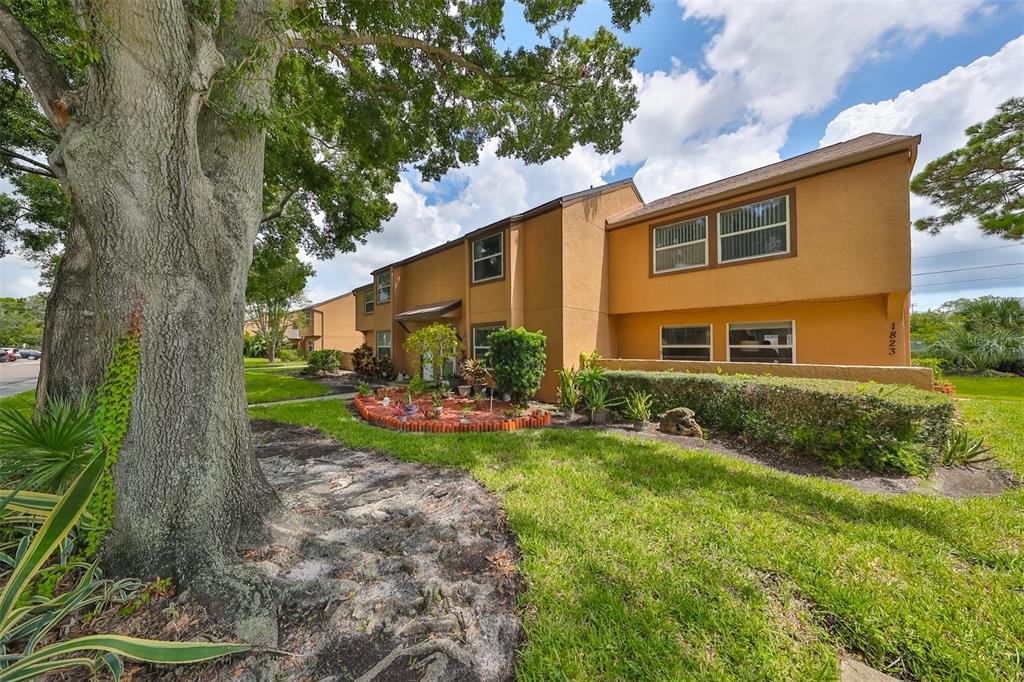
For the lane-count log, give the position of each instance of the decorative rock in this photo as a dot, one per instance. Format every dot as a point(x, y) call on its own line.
point(679, 421)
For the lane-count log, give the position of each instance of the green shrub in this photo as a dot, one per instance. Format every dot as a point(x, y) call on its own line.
point(45, 451)
point(935, 364)
point(419, 386)
point(364, 389)
point(287, 354)
point(436, 341)
point(518, 359)
point(367, 364)
point(846, 423)
point(326, 361)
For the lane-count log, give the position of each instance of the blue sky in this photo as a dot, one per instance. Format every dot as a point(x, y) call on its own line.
point(728, 86)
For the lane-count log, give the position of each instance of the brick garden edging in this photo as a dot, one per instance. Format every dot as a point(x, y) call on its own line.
point(422, 424)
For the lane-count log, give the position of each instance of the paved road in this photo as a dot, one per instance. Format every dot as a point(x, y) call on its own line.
point(18, 376)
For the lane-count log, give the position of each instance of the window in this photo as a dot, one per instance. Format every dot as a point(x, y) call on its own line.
point(489, 257)
point(681, 245)
point(761, 342)
point(368, 301)
point(755, 230)
point(481, 340)
point(691, 342)
point(384, 287)
point(384, 343)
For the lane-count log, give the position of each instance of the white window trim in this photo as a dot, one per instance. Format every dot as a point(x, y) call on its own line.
point(376, 288)
point(792, 346)
point(710, 345)
point(376, 341)
point(655, 248)
point(472, 340)
point(474, 260)
point(369, 298)
point(718, 230)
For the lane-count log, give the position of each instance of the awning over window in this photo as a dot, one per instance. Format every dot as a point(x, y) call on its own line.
point(430, 312)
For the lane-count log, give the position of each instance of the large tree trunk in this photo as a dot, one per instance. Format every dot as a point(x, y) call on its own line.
point(170, 236)
point(72, 363)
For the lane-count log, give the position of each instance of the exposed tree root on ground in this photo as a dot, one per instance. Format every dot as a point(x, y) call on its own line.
point(385, 570)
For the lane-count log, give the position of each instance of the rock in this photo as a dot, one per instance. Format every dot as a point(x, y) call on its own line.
point(679, 421)
point(852, 670)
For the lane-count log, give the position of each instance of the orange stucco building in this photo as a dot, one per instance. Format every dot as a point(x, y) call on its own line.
point(327, 324)
point(804, 261)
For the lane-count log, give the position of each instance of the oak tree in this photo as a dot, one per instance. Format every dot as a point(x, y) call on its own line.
point(179, 130)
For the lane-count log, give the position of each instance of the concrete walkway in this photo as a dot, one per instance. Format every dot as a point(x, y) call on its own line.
point(329, 396)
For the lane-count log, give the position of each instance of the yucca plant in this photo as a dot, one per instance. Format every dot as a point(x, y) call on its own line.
point(44, 452)
point(964, 449)
point(568, 389)
point(23, 627)
point(637, 407)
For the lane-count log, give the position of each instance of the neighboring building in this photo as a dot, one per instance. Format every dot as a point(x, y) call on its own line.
point(803, 261)
point(328, 324)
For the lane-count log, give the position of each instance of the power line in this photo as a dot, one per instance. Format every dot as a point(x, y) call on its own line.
point(977, 267)
point(964, 281)
point(957, 253)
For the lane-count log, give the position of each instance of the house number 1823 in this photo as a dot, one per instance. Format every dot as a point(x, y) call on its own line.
point(892, 339)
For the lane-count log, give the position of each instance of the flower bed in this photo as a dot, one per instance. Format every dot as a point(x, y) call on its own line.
point(387, 408)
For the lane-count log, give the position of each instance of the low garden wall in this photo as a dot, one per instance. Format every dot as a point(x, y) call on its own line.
point(845, 423)
point(918, 377)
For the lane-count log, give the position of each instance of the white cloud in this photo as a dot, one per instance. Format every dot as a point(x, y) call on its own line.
point(18, 277)
point(790, 58)
point(940, 110)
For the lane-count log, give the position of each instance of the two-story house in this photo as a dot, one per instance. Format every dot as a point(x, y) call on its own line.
point(803, 261)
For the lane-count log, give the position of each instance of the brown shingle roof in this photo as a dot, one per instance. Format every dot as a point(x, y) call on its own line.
point(837, 155)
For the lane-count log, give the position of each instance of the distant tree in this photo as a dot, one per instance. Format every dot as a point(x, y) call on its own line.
point(987, 312)
point(983, 180)
point(276, 280)
point(21, 321)
point(927, 325)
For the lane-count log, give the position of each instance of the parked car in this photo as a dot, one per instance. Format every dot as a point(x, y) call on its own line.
point(29, 353)
point(8, 355)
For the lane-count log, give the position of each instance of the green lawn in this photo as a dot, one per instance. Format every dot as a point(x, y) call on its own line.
point(266, 387)
point(646, 561)
point(261, 363)
point(989, 387)
point(24, 401)
point(994, 406)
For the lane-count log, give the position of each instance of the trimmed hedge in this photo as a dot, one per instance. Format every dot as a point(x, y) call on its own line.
point(326, 361)
point(846, 423)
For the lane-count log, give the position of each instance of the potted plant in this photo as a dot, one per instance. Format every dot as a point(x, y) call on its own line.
point(594, 390)
point(475, 375)
point(637, 406)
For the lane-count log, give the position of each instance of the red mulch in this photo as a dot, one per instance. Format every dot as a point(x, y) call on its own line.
point(452, 418)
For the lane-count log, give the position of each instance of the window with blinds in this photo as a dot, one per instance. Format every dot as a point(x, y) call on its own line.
point(681, 245)
point(686, 342)
point(755, 230)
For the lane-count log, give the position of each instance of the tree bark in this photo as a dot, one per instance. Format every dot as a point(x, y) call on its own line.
point(72, 362)
point(169, 207)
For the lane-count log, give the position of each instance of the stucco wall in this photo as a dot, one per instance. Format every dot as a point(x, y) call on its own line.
point(335, 323)
point(542, 287)
point(845, 332)
point(852, 239)
point(918, 377)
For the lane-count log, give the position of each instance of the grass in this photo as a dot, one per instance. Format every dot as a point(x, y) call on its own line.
point(266, 387)
point(989, 387)
point(262, 363)
point(23, 402)
point(646, 561)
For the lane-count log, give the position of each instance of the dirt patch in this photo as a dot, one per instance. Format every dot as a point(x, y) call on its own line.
point(388, 570)
point(344, 381)
point(985, 480)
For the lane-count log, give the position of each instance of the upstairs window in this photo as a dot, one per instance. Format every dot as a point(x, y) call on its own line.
point(689, 342)
point(368, 301)
point(489, 257)
point(384, 287)
point(681, 245)
point(761, 342)
point(755, 230)
point(384, 343)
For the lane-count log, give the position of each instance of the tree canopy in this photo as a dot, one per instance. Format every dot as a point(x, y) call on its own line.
point(983, 180)
point(273, 292)
point(363, 91)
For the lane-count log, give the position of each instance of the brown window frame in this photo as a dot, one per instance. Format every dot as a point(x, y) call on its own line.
point(372, 302)
point(502, 324)
point(504, 258)
point(712, 229)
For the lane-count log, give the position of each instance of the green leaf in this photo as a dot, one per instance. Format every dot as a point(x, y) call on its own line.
point(55, 528)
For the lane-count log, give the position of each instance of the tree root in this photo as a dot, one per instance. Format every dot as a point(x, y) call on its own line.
point(440, 652)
